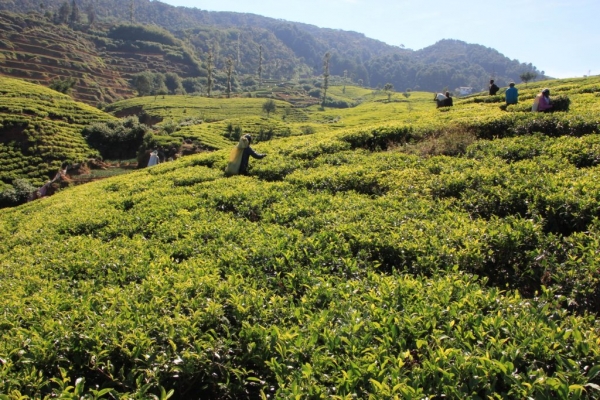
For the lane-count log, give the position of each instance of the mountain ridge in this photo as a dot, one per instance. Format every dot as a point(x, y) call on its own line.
point(361, 59)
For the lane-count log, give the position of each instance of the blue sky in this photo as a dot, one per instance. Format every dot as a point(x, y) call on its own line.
point(561, 38)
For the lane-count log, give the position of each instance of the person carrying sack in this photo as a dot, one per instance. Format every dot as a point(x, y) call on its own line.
point(235, 157)
point(240, 156)
point(541, 103)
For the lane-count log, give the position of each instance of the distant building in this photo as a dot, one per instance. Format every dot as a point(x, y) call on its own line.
point(465, 90)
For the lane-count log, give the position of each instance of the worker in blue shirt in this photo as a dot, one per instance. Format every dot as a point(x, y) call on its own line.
point(512, 94)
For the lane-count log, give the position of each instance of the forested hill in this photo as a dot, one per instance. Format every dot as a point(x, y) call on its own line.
point(296, 49)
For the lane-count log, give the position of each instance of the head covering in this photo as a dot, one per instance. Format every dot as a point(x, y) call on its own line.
point(244, 142)
point(546, 90)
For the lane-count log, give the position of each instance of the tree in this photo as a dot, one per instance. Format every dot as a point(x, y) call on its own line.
point(229, 64)
point(389, 88)
point(63, 13)
point(116, 139)
point(527, 76)
point(75, 17)
point(91, 14)
point(260, 66)
point(209, 68)
point(173, 82)
point(406, 95)
point(325, 77)
point(158, 85)
point(239, 57)
point(131, 8)
point(269, 106)
point(142, 82)
point(192, 85)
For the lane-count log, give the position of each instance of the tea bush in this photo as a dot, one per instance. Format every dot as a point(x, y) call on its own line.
point(340, 267)
point(40, 129)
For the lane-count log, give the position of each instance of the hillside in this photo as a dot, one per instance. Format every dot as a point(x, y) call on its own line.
point(100, 64)
point(402, 251)
point(39, 130)
point(294, 49)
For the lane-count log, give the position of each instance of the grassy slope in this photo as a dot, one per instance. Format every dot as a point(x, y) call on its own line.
point(40, 128)
point(332, 270)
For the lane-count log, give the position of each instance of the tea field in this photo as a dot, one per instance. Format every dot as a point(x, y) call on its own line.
point(40, 129)
point(402, 251)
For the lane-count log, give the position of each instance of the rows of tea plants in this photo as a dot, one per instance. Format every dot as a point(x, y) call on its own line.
point(206, 109)
point(416, 114)
point(354, 273)
point(216, 118)
point(222, 134)
point(342, 267)
point(40, 129)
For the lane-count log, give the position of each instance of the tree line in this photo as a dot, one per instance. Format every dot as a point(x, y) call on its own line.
point(291, 50)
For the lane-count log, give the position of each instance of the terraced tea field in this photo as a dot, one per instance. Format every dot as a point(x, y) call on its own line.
point(33, 49)
point(40, 129)
point(358, 261)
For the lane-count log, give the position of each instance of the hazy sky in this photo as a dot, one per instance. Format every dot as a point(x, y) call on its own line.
point(561, 38)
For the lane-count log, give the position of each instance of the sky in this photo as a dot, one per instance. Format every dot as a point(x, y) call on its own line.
point(558, 37)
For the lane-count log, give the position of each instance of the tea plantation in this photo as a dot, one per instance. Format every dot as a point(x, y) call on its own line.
point(399, 251)
point(40, 129)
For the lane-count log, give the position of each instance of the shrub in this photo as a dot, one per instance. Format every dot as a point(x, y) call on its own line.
point(560, 103)
point(489, 99)
point(118, 140)
point(233, 132)
point(307, 130)
point(316, 93)
point(192, 85)
point(149, 33)
point(152, 141)
point(450, 142)
point(17, 194)
point(336, 103)
point(63, 85)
